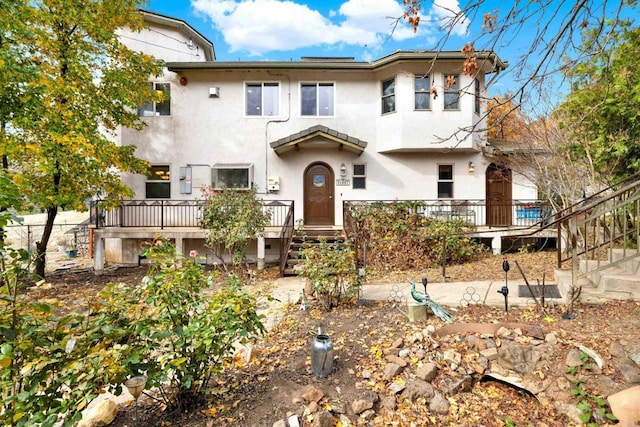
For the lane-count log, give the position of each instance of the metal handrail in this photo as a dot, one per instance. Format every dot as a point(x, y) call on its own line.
point(286, 238)
point(170, 213)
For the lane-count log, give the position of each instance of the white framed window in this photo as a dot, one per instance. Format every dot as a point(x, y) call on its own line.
point(158, 185)
point(359, 176)
point(476, 94)
point(232, 175)
point(445, 181)
point(262, 99)
point(388, 96)
point(452, 92)
point(421, 89)
point(317, 99)
point(158, 108)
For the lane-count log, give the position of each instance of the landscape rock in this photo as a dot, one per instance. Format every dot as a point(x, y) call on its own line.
point(551, 338)
point(397, 360)
point(100, 415)
point(389, 402)
point(368, 414)
point(625, 405)
point(453, 386)
point(361, 405)
point(418, 388)
point(629, 370)
point(398, 343)
point(390, 371)
point(313, 407)
point(345, 421)
point(573, 358)
point(439, 404)
point(617, 350)
point(520, 358)
point(453, 357)
point(427, 372)
point(404, 353)
point(312, 394)
point(490, 353)
point(280, 423)
point(396, 387)
point(323, 419)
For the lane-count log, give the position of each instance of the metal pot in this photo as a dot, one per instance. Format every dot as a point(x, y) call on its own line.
point(321, 355)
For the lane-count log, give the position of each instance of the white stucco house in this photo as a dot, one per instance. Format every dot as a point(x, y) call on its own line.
point(310, 135)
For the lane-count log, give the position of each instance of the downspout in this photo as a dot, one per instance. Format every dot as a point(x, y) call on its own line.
point(266, 129)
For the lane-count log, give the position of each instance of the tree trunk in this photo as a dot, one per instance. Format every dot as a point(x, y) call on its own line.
point(41, 246)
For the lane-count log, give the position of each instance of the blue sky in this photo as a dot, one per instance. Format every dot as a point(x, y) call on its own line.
point(289, 29)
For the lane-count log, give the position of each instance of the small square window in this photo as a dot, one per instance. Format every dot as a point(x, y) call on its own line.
point(161, 107)
point(158, 185)
point(359, 176)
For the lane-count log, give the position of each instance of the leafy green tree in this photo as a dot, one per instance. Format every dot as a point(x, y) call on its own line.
point(232, 218)
point(604, 105)
point(185, 329)
point(85, 85)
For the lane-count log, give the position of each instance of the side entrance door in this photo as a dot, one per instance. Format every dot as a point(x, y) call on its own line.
point(319, 190)
point(499, 202)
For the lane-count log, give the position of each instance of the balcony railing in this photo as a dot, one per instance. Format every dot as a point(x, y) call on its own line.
point(476, 213)
point(171, 213)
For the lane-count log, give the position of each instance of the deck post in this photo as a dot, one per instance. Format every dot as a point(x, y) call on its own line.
point(496, 244)
point(261, 247)
point(98, 255)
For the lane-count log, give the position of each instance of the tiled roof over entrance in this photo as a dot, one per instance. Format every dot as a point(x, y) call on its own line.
point(318, 136)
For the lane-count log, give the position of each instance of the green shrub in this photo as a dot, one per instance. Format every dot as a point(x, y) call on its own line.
point(186, 328)
point(51, 365)
point(331, 270)
point(232, 218)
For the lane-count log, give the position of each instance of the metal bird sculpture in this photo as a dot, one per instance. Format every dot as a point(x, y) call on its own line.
point(424, 299)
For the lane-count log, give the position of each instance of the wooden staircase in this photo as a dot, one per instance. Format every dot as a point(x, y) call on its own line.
point(310, 235)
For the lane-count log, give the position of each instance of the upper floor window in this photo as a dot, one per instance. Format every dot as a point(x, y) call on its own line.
point(229, 175)
point(388, 96)
point(262, 99)
point(451, 92)
point(161, 107)
point(445, 181)
point(421, 93)
point(158, 185)
point(476, 94)
point(359, 176)
point(317, 99)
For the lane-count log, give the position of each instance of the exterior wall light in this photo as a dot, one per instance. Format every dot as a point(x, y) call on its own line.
point(472, 167)
point(343, 170)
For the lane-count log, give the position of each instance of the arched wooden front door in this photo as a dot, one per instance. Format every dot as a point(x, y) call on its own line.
point(319, 191)
point(499, 202)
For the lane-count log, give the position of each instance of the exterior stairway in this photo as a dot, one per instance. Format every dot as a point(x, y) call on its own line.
point(309, 235)
point(617, 278)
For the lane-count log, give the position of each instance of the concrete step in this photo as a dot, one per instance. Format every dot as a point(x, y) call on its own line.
point(601, 282)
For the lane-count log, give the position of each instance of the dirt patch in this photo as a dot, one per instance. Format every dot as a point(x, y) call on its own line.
point(269, 387)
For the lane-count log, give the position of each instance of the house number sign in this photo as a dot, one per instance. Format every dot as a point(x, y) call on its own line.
point(343, 182)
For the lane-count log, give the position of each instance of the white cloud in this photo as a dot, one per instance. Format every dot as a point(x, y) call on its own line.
point(444, 11)
point(261, 26)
